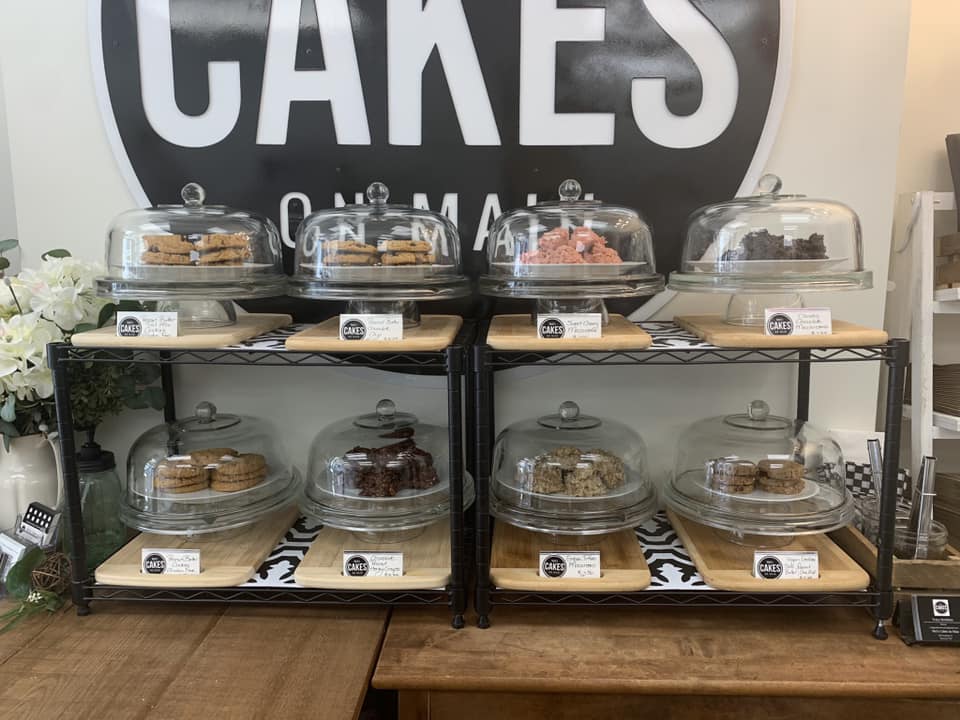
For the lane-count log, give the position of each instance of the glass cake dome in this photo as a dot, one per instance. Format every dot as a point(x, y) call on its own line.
point(755, 473)
point(571, 474)
point(381, 257)
point(384, 475)
point(771, 243)
point(570, 249)
point(193, 258)
point(207, 473)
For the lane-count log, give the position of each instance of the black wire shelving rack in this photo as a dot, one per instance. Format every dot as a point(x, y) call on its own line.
point(668, 350)
point(451, 362)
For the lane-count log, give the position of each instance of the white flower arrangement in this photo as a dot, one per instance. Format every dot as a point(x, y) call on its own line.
point(38, 307)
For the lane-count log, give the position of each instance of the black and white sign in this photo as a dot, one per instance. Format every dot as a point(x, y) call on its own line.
point(570, 564)
point(372, 564)
point(147, 324)
point(169, 561)
point(469, 107)
point(371, 327)
point(786, 565)
point(569, 326)
point(797, 321)
point(935, 619)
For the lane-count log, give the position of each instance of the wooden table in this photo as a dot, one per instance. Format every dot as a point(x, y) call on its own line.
point(663, 663)
point(191, 661)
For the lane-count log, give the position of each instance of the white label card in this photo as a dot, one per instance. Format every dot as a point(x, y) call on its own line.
point(372, 564)
point(569, 325)
point(570, 564)
point(371, 327)
point(797, 321)
point(167, 561)
point(786, 565)
point(147, 324)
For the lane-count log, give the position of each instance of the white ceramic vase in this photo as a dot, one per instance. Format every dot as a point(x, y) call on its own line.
point(29, 472)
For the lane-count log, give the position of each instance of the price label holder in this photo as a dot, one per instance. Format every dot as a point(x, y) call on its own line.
point(11, 550)
point(930, 620)
point(372, 564)
point(168, 561)
point(786, 565)
point(147, 324)
point(569, 325)
point(371, 327)
point(797, 321)
point(570, 564)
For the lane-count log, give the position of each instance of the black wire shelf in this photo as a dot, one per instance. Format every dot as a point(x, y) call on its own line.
point(273, 595)
point(690, 598)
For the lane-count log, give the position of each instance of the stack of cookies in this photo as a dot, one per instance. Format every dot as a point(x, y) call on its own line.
point(166, 250)
point(220, 469)
point(206, 250)
point(783, 477)
point(731, 476)
point(572, 471)
point(389, 253)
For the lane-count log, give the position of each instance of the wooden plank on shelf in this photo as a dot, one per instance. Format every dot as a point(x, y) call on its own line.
point(517, 332)
point(247, 326)
point(714, 330)
point(225, 562)
point(727, 566)
point(426, 561)
point(515, 560)
point(434, 333)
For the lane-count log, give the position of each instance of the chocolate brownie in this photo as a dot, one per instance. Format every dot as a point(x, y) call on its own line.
point(763, 245)
point(385, 471)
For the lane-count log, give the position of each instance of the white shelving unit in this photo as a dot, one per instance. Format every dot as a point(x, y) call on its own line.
point(925, 424)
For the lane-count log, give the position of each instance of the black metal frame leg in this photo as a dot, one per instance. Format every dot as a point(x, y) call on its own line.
point(455, 362)
point(70, 476)
point(483, 421)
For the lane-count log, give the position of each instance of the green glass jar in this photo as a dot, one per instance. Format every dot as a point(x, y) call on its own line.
point(100, 495)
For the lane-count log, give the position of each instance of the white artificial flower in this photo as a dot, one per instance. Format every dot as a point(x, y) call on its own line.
point(62, 290)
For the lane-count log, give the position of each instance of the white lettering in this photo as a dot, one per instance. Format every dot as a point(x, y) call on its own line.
point(718, 74)
point(155, 48)
point(542, 26)
point(449, 207)
point(285, 201)
point(491, 211)
point(413, 31)
point(338, 83)
point(339, 201)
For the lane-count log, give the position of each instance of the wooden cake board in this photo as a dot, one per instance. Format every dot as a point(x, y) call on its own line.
point(515, 562)
point(426, 561)
point(517, 332)
point(435, 332)
point(713, 329)
point(227, 562)
point(248, 325)
point(725, 565)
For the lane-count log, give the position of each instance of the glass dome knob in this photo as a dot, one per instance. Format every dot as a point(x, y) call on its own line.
point(378, 193)
point(206, 411)
point(758, 410)
point(193, 194)
point(569, 410)
point(386, 409)
point(570, 190)
point(769, 184)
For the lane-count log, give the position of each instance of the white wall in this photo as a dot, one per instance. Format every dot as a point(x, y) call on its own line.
point(838, 139)
point(8, 216)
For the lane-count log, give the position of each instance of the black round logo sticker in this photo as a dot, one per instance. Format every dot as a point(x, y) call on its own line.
point(941, 608)
point(155, 564)
point(780, 324)
point(552, 329)
point(554, 566)
point(357, 566)
point(353, 330)
point(769, 568)
point(129, 327)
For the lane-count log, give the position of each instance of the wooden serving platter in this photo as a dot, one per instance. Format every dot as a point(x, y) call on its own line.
point(435, 332)
point(517, 332)
point(713, 329)
point(226, 562)
point(247, 326)
point(426, 561)
point(725, 565)
point(515, 562)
